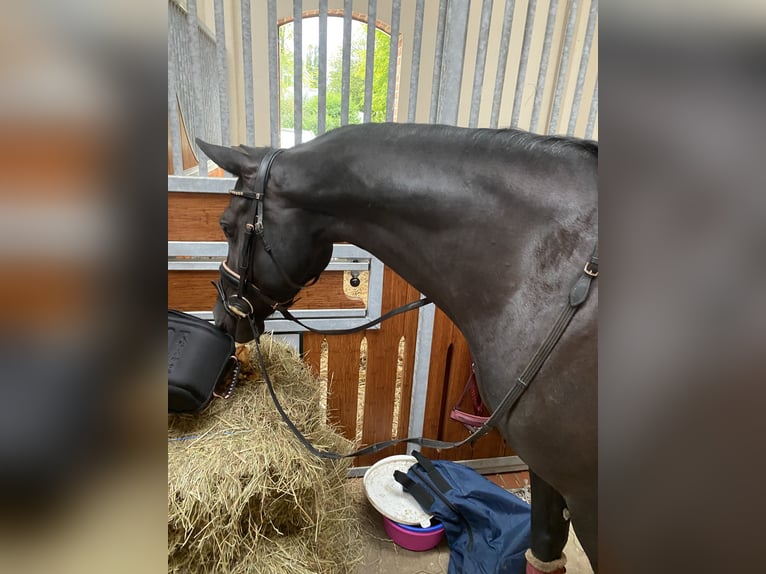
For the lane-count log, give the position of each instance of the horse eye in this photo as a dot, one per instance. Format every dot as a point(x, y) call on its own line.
point(226, 229)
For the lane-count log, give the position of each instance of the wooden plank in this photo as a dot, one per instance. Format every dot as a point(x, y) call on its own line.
point(191, 291)
point(343, 382)
point(195, 216)
point(382, 353)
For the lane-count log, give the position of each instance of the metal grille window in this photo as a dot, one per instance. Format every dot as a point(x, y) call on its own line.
point(324, 81)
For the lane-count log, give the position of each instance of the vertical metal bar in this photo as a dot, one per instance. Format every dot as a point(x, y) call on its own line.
point(322, 94)
point(420, 372)
point(417, 41)
point(481, 60)
point(372, 6)
point(455, 31)
point(273, 32)
point(223, 78)
point(298, 70)
point(521, 79)
point(592, 15)
point(502, 63)
point(543, 73)
point(247, 63)
point(593, 112)
point(393, 58)
point(563, 67)
point(196, 59)
point(173, 118)
point(436, 80)
point(346, 77)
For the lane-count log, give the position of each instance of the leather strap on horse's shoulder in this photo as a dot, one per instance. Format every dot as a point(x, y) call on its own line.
point(577, 296)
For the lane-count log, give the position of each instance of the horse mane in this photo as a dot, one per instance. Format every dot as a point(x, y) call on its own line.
point(551, 144)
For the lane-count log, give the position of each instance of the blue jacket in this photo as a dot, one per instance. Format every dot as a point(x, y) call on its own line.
point(487, 527)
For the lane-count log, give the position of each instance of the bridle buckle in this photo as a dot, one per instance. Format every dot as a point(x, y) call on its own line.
point(591, 269)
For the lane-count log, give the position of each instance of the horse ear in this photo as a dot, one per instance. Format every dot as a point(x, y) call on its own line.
point(231, 159)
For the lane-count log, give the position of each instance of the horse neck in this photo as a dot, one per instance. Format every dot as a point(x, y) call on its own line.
point(456, 235)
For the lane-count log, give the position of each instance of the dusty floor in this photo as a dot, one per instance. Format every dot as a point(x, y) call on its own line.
point(382, 556)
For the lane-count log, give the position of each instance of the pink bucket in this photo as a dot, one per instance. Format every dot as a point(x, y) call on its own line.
point(413, 537)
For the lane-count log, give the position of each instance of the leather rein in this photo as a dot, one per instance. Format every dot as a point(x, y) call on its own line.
point(240, 307)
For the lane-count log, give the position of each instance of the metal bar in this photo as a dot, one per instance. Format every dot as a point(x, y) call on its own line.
point(273, 32)
point(372, 6)
point(438, 54)
point(543, 73)
point(521, 79)
point(322, 94)
point(191, 18)
point(420, 372)
point(455, 32)
point(563, 67)
point(502, 63)
point(247, 62)
point(417, 42)
point(214, 264)
point(375, 287)
point(192, 184)
point(587, 42)
point(220, 52)
point(341, 251)
point(345, 89)
point(173, 116)
point(494, 465)
point(298, 70)
point(481, 60)
point(593, 112)
point(393, 58)
point(329, 318)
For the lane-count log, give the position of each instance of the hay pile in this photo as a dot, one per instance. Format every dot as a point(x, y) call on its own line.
point(244, 495)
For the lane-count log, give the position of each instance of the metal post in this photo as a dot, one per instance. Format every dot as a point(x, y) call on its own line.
point(322, 94)
point(593, 112)
point(372, 6)
point(193, 26)
point(438, 54)
point(481, 59)
point(273, 73)
point(592, 15)
point(521, 79)
point(247, 63)
point(173, 117)
point(541, 76)
point(502, 63)
point(420, 372)
point(345, 89)
point(455, 32)
point(220, 52)
point(393, 58)
point(298, 70)
point(417, 41)
point(563, 67)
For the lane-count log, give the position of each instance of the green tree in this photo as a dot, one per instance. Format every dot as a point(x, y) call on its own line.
point(334, 79)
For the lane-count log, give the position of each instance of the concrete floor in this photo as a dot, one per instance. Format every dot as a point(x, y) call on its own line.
point(382, 556)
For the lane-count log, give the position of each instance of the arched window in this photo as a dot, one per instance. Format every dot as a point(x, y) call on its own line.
point(334, 95)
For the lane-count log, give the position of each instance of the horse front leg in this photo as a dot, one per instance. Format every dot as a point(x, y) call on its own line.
point(549, 529)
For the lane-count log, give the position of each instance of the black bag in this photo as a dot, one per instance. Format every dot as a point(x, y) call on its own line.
point(199, 357)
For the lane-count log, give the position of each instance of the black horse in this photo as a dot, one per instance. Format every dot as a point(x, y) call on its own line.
point(494, 226)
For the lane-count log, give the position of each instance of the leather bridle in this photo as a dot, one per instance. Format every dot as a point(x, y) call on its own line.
point(238, 305)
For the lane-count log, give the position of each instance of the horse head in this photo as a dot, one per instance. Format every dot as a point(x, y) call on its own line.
point(274, 246)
